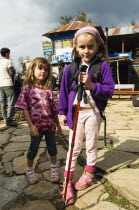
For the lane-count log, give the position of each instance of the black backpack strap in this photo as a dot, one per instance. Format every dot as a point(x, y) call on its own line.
point(72, 75)
point(96, 72)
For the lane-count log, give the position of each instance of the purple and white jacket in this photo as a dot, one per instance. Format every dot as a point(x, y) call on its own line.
point(100, 93)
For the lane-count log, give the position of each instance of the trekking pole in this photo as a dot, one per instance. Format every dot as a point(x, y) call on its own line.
point(79, 98)
point(105, 140)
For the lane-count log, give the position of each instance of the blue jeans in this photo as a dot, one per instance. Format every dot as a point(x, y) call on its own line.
point(7, 96)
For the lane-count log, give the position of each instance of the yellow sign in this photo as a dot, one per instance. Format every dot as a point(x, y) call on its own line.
point(66, 43)
point(47, 49)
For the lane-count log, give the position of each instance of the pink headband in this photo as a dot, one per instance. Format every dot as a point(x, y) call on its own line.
point(91, 30)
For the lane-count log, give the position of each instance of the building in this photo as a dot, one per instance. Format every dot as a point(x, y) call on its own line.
point(124, 39)
point(122, 43)
point(123, 48)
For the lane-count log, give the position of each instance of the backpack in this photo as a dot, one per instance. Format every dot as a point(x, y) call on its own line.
point(95, 72)
point(18, 83)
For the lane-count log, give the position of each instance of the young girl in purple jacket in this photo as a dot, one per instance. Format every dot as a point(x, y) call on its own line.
point(89, 48)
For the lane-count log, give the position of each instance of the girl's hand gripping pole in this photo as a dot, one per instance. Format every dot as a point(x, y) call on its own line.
point(80, 86)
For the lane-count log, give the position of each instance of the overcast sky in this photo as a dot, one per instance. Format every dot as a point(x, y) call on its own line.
point(24, 21)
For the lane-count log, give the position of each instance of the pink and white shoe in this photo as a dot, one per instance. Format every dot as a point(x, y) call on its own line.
point(55, 176)
point(70, 193)
point(85, 181)
point(31, 176)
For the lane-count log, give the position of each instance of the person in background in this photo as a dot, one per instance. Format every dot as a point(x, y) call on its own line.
point(54, 83)
point(26, 63)
point(18, 84)
point(25, 66)
point(7, 93)
point(37, 102)
point(61, 70)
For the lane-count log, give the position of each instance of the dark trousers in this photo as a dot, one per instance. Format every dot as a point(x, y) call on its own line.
point(35, 142)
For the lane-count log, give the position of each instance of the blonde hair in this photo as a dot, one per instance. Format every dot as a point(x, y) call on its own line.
point(101, 52)
point(30, 78)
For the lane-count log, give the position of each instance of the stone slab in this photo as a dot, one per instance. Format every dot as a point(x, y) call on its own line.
point(110, 160)
point(23, 138)
point(89, 196)
point(4, 138)
point(126, 181)
point(9, 130)
point(20, 163)
point(105, 205)
point(127, 144)
point(23, 131)
point(11, 188)
point(1, 152)
point(128, 133)
point(20, 146)
point(41, 190)
point(6, 196)
point(35, 205)
point(8, 167)
point(9, 156)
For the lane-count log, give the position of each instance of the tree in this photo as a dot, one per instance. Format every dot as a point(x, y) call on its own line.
point(65, 19)
point(89, 20)
point(80, 17)
point(133, 22)
point(21, 60)
point(83, 17)
point(112, 26)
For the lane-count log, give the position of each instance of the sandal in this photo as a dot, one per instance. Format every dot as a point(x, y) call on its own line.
point(31, 176)
point(70, 193)
point(55, 177)
point(84, 181)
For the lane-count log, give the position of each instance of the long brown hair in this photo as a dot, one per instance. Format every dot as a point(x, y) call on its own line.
point(30, 78)
point(101, 52)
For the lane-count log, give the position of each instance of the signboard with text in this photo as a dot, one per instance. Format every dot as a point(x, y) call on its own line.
point(63, 54)
point(47, 49)
point(66, 57)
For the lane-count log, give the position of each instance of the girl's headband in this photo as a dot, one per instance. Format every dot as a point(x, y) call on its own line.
point(91, 30)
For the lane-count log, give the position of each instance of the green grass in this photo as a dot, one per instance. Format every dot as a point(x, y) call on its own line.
point(134, 166)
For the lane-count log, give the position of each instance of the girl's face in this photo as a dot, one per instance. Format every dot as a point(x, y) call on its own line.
point(41, 73)
point(86, 47)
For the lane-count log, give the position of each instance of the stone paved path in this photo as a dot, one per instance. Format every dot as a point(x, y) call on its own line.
point(117, 166)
